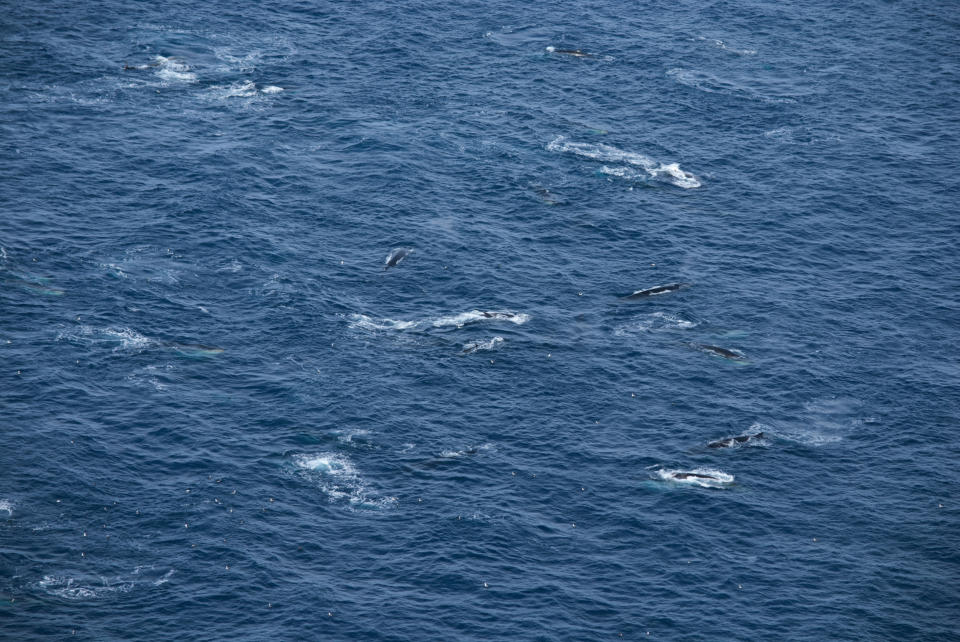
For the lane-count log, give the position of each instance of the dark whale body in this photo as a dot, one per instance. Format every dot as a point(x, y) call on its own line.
point(695, 475)
point(396, 255)
point(728, 443)
point(660, 289)
point(732, 355)
point(576, 53)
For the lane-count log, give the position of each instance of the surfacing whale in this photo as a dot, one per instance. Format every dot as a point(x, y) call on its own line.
point(193, 349)
point(732, 355)
point(660, 289)
point(576, 53)
point(732, 441)
point(692, 476)
point(699, 476)
point(396, 255)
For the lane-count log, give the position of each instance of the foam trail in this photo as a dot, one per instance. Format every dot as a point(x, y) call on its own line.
point(127, 338)
point(670, 173)
point(338, 479)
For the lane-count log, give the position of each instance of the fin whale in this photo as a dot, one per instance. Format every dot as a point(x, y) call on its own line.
point(732, 441)
point(395, 256)
point(193, 349)
point(732, 355)
point(576, 53)
point(660, 289)
point(692, 476)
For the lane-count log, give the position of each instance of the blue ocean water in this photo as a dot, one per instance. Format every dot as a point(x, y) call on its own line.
point(223, 418)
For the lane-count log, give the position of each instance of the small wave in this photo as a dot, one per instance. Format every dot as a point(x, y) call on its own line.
point(710, 84)
point(338, 479)
point(705, 477)
point(655, 322)
point(669, 173)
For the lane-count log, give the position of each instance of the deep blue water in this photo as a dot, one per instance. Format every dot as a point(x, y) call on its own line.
point(222, 418)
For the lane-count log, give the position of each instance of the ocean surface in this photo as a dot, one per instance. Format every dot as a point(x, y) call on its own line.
point(224, 416)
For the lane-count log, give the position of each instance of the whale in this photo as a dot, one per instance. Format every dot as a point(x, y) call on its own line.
point(546, 196)
point(717, 351)
point(698, 476)
point(692, 476)
point(576, 53)
point(193, 349)
point(395, 256)
point(733, 441)
point(36, 285)
point(654, 291)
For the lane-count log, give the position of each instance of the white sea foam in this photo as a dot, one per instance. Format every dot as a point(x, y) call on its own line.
point(364, 322)
point(338, 478)
point(244, 89)
point(173, 70)
point(166, 578)
point(654, 322)
point(717, 478)
point(70, 588)
point(348, 436)
point(726, 47)
point(271, 89)
point(470, 450)
point(124, 338)
point(7, 506)
point(670, 173)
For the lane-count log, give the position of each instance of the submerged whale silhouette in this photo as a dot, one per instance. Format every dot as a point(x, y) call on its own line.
point(728, 443)
point(193, 349)
point(660, 289)
point(396, 255)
